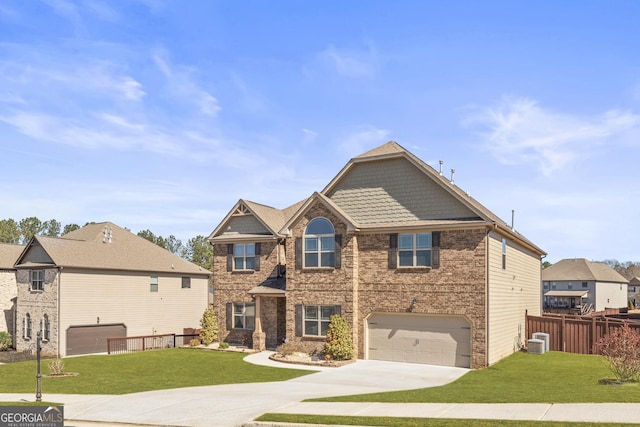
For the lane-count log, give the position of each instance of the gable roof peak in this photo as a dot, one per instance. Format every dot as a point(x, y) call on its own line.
point(390, 148)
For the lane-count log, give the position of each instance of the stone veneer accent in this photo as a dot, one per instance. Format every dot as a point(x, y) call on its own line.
point(37, 304)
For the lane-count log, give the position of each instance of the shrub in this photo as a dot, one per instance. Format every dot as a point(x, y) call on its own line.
point(209, 324)
point(56, 367)
point(339, 345)
point(194, 342)
point(5, 341)
point(621, 348)
point(223, 345)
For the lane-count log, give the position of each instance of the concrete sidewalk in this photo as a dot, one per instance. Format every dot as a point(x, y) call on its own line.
point(578, 412)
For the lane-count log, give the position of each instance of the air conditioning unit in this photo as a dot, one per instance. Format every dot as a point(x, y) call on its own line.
point(535, 346)
point(544, 337)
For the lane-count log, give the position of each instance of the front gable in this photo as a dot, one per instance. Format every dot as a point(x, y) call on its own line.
point(394, 190)
point(242, 222)
point(34, 254)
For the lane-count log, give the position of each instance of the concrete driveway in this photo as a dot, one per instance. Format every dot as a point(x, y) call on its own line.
point(232, 405)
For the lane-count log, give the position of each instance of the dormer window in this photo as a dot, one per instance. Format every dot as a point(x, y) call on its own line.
point(319, 244)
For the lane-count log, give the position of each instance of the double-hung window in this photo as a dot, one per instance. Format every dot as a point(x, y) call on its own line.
point(244, 315)
point(37, 280)
point(153, 283)
point(414, 250)
point(244, 256)
point(186, 282)
point(317, 319)
point(319, 244)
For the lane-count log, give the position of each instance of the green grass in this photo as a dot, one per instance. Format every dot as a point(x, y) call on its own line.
point(553, 377)
point(419, 422)
point(143, 371)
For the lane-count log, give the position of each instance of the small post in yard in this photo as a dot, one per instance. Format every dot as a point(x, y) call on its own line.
point(38, 376)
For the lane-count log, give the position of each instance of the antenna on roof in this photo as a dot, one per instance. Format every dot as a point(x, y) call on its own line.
point(453, 172)
point(513, 215)
point(441, 162)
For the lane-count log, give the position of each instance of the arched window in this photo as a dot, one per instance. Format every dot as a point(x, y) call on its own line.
point(27, 326)
point(46, 330)
point(319, 244)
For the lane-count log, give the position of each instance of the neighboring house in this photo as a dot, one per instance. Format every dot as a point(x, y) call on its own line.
point(581, 286)
point(100, 282)
point(8, 286)
point(422, 271)
point(633, 292)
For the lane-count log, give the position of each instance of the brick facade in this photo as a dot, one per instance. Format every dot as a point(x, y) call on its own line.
point(8, 294)
point(37, 304)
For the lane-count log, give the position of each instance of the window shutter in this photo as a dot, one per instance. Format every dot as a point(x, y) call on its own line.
point(298, 320)
point(229, 316)
point(338, 252)
point(298, 253)
point(230, 257)
point(393, 250)
point(257, 261)
point(435, 249)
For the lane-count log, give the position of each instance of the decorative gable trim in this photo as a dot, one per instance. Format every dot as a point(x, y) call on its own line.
point(352, 226)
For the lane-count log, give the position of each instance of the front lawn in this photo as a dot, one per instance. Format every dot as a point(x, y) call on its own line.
point(143, 371)
point(552, 377)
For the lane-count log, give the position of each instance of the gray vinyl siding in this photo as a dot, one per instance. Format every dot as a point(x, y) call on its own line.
point(512, 291)
point(126, 298)
point(37, 255)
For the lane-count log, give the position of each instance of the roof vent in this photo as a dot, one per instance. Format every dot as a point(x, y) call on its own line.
point(441, 162)
point(453, 172)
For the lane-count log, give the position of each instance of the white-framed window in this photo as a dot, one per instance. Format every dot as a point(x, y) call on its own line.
point(244, 256)
point(414, 250)
point(37, 280)
point(153, 283)
point(504, 253)
point(319, 244)
point(27, 327)
point(45, 327)
point(244, 315)
point(186, 282)
point(317, 318)
point(585, 284)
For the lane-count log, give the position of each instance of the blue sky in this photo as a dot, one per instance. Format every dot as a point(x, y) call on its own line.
point(162, 114)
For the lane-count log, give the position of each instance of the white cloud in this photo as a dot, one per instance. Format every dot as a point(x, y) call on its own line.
point(363, 139)
point(355, 64)
point(519, 131)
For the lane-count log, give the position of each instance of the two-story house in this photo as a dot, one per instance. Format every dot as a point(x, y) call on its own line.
point(422, 271)
point(101, 282)
point(581, 286)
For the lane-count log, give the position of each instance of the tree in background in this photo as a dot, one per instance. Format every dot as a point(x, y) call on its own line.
point(9, 231)
point(51, 228)
point(69, 228)
point(29, 227)
point(199, 252)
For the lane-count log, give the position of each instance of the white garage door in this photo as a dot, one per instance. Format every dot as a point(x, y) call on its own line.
point(414, 338)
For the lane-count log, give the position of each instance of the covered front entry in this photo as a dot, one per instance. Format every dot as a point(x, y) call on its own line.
point(93, 338)
point(418, 338)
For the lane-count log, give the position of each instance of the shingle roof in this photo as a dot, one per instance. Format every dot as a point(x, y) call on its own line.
point(9, 254)
point(89, 248)
point(580, 269)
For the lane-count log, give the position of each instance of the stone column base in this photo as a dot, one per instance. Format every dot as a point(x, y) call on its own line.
point(259, 341)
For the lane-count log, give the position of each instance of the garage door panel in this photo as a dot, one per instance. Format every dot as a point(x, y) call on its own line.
point(92, 339)
point(436, 340)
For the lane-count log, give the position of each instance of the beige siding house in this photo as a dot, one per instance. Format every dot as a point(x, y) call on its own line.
point(581, 286)
point(102, 281)
point(8, 286)
point(422, 271)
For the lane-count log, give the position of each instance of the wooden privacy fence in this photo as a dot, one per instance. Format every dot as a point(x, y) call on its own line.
point(146, 342)
point(572, 333)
